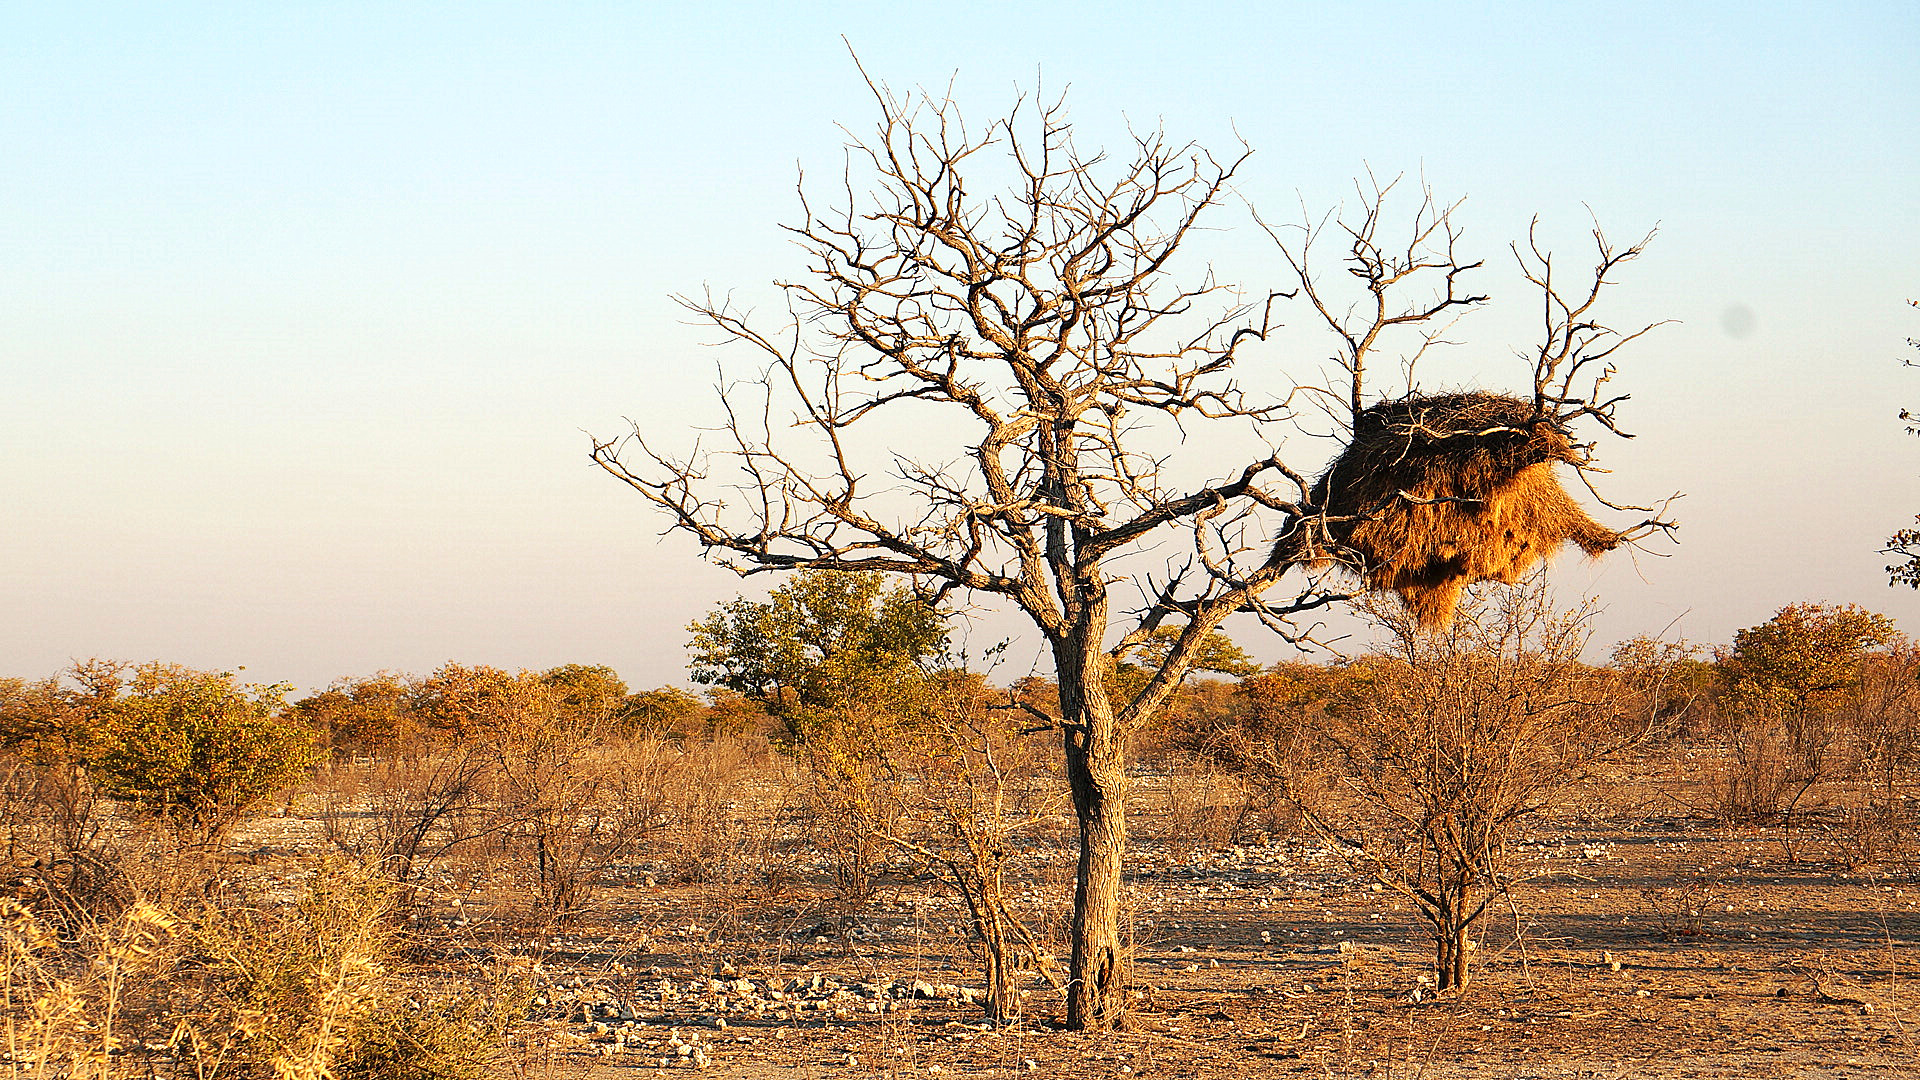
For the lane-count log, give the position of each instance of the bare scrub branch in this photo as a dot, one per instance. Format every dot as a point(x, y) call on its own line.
point(1571, 364)
point(1414, 283)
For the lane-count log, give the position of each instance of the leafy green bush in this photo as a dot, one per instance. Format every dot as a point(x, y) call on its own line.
point(198, 749)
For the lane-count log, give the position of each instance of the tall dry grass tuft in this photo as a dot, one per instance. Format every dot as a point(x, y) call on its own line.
point(66, 1004)
point(238, 989)
point(286, 993)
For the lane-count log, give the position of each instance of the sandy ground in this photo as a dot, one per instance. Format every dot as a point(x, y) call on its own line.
point(1661, 948)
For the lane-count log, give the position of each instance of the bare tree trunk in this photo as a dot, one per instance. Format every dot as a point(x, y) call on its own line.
point(1000, 1006)
point(1451, 954)
point(1097, 774)
point(1097, 980)
point(1458, 953)
point(992, 919)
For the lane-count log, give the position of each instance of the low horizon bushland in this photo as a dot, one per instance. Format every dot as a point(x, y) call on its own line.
point(479, 804)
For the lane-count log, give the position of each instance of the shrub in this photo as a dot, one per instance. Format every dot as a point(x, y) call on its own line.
point(363, 716)
point(49, 729)
point(198, 749)
point(307, 993)
point(1792, 682)
point(1455, 736)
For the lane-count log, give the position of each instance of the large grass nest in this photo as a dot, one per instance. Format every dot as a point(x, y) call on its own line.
point(1436, 493)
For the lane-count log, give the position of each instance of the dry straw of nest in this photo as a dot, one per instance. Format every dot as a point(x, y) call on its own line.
point(1435, 493)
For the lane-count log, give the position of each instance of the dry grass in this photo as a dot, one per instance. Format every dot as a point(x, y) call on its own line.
point(241, 987)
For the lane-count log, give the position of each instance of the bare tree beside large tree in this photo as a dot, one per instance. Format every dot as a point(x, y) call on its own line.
point(994, 378)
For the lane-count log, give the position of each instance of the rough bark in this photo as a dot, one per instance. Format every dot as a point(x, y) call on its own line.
point(1096, 771)
point(1450, 967)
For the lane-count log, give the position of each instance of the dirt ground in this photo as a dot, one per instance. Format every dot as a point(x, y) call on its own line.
point(1663, 946)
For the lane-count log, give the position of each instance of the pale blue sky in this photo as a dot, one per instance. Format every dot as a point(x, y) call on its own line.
point(304, 308)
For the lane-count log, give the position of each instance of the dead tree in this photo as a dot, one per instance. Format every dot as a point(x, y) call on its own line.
point(994, 377)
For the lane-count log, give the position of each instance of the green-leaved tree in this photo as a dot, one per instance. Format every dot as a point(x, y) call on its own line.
point(825, 650)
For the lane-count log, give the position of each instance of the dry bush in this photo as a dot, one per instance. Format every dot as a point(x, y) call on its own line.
point(1760, 768)
point(306, 992)
point(1204, 808)
point(1870, 833)
point(1664, 686)
point(555, 779)
point(66, 1000)
point(1815, 732)
point(970, 783)
point(716, 832)
point(1455, 737)
point(1683, 911)
point(644, 799)
point(666, 710)
point(242, 988)
point(405, 811)
point(67, 845)
point(63, 859)
point(1794, 687)
point(533, 769)
point(1268, 741)
point(1197, 754)
point(49, 730)
point(1874, 816)
point(848, 789)
point(568, 804)
point(75, 890)
point(287, 992)
point(847, 805)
